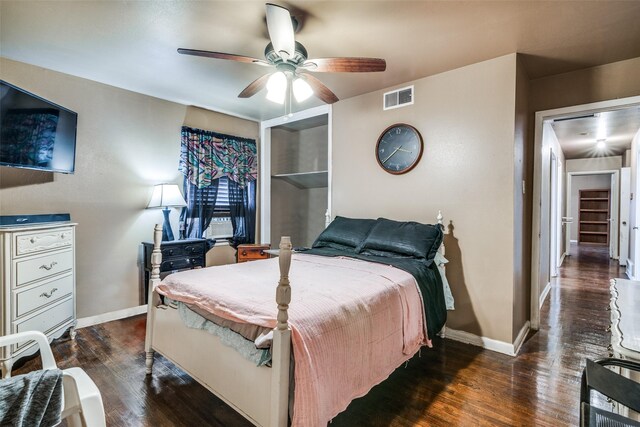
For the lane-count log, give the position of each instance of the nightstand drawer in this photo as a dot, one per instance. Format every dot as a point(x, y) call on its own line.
point(46, 320)
point(184, 250)
point(181, 263)
point(252, 252)
point(30, 243)
point(32, 299)
point(40, 267)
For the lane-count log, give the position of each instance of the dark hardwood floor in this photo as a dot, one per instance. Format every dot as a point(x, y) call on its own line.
point(453, 384)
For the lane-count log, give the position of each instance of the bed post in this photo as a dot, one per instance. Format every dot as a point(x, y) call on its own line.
point(153, 298)
point(281, 345)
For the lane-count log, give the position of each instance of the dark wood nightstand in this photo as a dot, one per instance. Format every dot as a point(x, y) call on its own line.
point(252, 252)
point(176, 255)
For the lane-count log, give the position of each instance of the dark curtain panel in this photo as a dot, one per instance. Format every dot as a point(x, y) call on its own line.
point(242, 205)
point(205, 157)
point(201, 202)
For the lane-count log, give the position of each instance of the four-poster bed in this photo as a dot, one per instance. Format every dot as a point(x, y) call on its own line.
point(260, 393)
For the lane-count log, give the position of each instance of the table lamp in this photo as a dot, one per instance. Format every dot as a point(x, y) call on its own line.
point(166, 196)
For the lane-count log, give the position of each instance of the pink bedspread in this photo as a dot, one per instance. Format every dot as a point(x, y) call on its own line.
point(353, 322)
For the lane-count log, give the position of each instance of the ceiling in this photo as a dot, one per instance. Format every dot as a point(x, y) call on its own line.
point(578, 136)
point(132, 44)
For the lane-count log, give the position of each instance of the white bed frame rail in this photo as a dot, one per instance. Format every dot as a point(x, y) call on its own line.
point(221, 369)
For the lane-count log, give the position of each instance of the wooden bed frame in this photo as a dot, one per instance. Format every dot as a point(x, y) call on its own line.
point(259, 393)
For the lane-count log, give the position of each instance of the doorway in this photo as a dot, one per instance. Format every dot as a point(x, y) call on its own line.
point(544, 210)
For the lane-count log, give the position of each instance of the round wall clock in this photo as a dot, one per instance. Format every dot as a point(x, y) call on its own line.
point(399, 148)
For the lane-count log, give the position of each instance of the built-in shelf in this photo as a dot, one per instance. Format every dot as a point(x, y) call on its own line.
point(315, 179)
point(594, 212)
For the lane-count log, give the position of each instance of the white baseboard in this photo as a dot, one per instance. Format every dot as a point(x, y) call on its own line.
point(629, 270)
point(112, 315)
point(521, 336)
point(544, 294)
point(489, 343)
point(562, 259)
point(573, 241)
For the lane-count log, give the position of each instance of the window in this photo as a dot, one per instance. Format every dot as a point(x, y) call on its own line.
point(220, 226)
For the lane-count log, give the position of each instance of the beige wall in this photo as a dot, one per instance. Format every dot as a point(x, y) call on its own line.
point(126, 142)
point(522, 206)
point(609, 81)
point(466, 118)
point(594, 164)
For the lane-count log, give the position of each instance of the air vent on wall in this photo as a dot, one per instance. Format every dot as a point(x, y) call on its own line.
point(398, 98)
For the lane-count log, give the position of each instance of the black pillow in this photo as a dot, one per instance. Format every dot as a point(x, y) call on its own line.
point(344, 233)
point(404, 238)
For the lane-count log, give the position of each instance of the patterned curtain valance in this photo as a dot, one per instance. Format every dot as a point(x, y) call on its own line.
point(206, 156)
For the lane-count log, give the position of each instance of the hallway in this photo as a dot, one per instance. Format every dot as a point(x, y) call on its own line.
point(574, 321)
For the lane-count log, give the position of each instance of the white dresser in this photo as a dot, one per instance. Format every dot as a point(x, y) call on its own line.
point(625, 328)
point(37, 270)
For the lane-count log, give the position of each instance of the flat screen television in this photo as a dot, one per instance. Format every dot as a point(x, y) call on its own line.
point(35, 133)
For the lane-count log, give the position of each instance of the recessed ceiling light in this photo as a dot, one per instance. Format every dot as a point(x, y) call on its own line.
point(601, 144)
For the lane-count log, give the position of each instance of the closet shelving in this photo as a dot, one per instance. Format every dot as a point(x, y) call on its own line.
point(594, 216)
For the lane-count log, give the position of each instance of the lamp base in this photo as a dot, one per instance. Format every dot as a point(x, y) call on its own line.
point(167, 233)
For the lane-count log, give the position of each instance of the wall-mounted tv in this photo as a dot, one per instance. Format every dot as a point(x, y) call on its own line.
point(35, 133)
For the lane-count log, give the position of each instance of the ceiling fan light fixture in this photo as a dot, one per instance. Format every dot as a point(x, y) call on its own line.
point(301, 89)
point(277, 87)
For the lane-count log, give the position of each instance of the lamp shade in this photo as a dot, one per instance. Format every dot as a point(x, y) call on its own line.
point(165, 195)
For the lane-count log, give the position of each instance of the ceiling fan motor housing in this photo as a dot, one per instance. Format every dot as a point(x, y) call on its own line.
point(299, 56)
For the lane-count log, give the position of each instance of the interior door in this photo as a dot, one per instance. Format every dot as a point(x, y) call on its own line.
point(625, 201)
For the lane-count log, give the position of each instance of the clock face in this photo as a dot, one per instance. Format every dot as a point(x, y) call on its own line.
point(399, 149)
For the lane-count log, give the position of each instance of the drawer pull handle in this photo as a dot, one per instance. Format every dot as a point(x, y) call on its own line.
point(32, 240)
point(48, 267)
point(48, 294)
point(244, 253)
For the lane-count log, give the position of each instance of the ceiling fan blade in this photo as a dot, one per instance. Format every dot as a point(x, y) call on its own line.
point(255, 86)
point(280, 29)
point(220, 55)
point(345, 65)
point(320, 90)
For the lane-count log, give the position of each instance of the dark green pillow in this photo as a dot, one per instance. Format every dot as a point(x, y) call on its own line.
point(404, 238)
point(344, 233)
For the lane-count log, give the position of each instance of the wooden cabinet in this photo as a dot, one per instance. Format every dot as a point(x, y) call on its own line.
point(37, 273)
point(594, 217)
point(176, 255)
point(252, 252)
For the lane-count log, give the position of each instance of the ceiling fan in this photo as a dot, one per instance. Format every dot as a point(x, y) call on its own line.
point(290, 61)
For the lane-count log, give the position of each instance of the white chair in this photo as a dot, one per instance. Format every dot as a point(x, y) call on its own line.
point(82, 405)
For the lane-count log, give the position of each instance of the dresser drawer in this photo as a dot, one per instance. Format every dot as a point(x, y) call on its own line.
point(40, 241)
point(32, 299)
point(43, 266)
point(181, 263)
point(47, 320)
point(252, 253)
point(182, 250)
